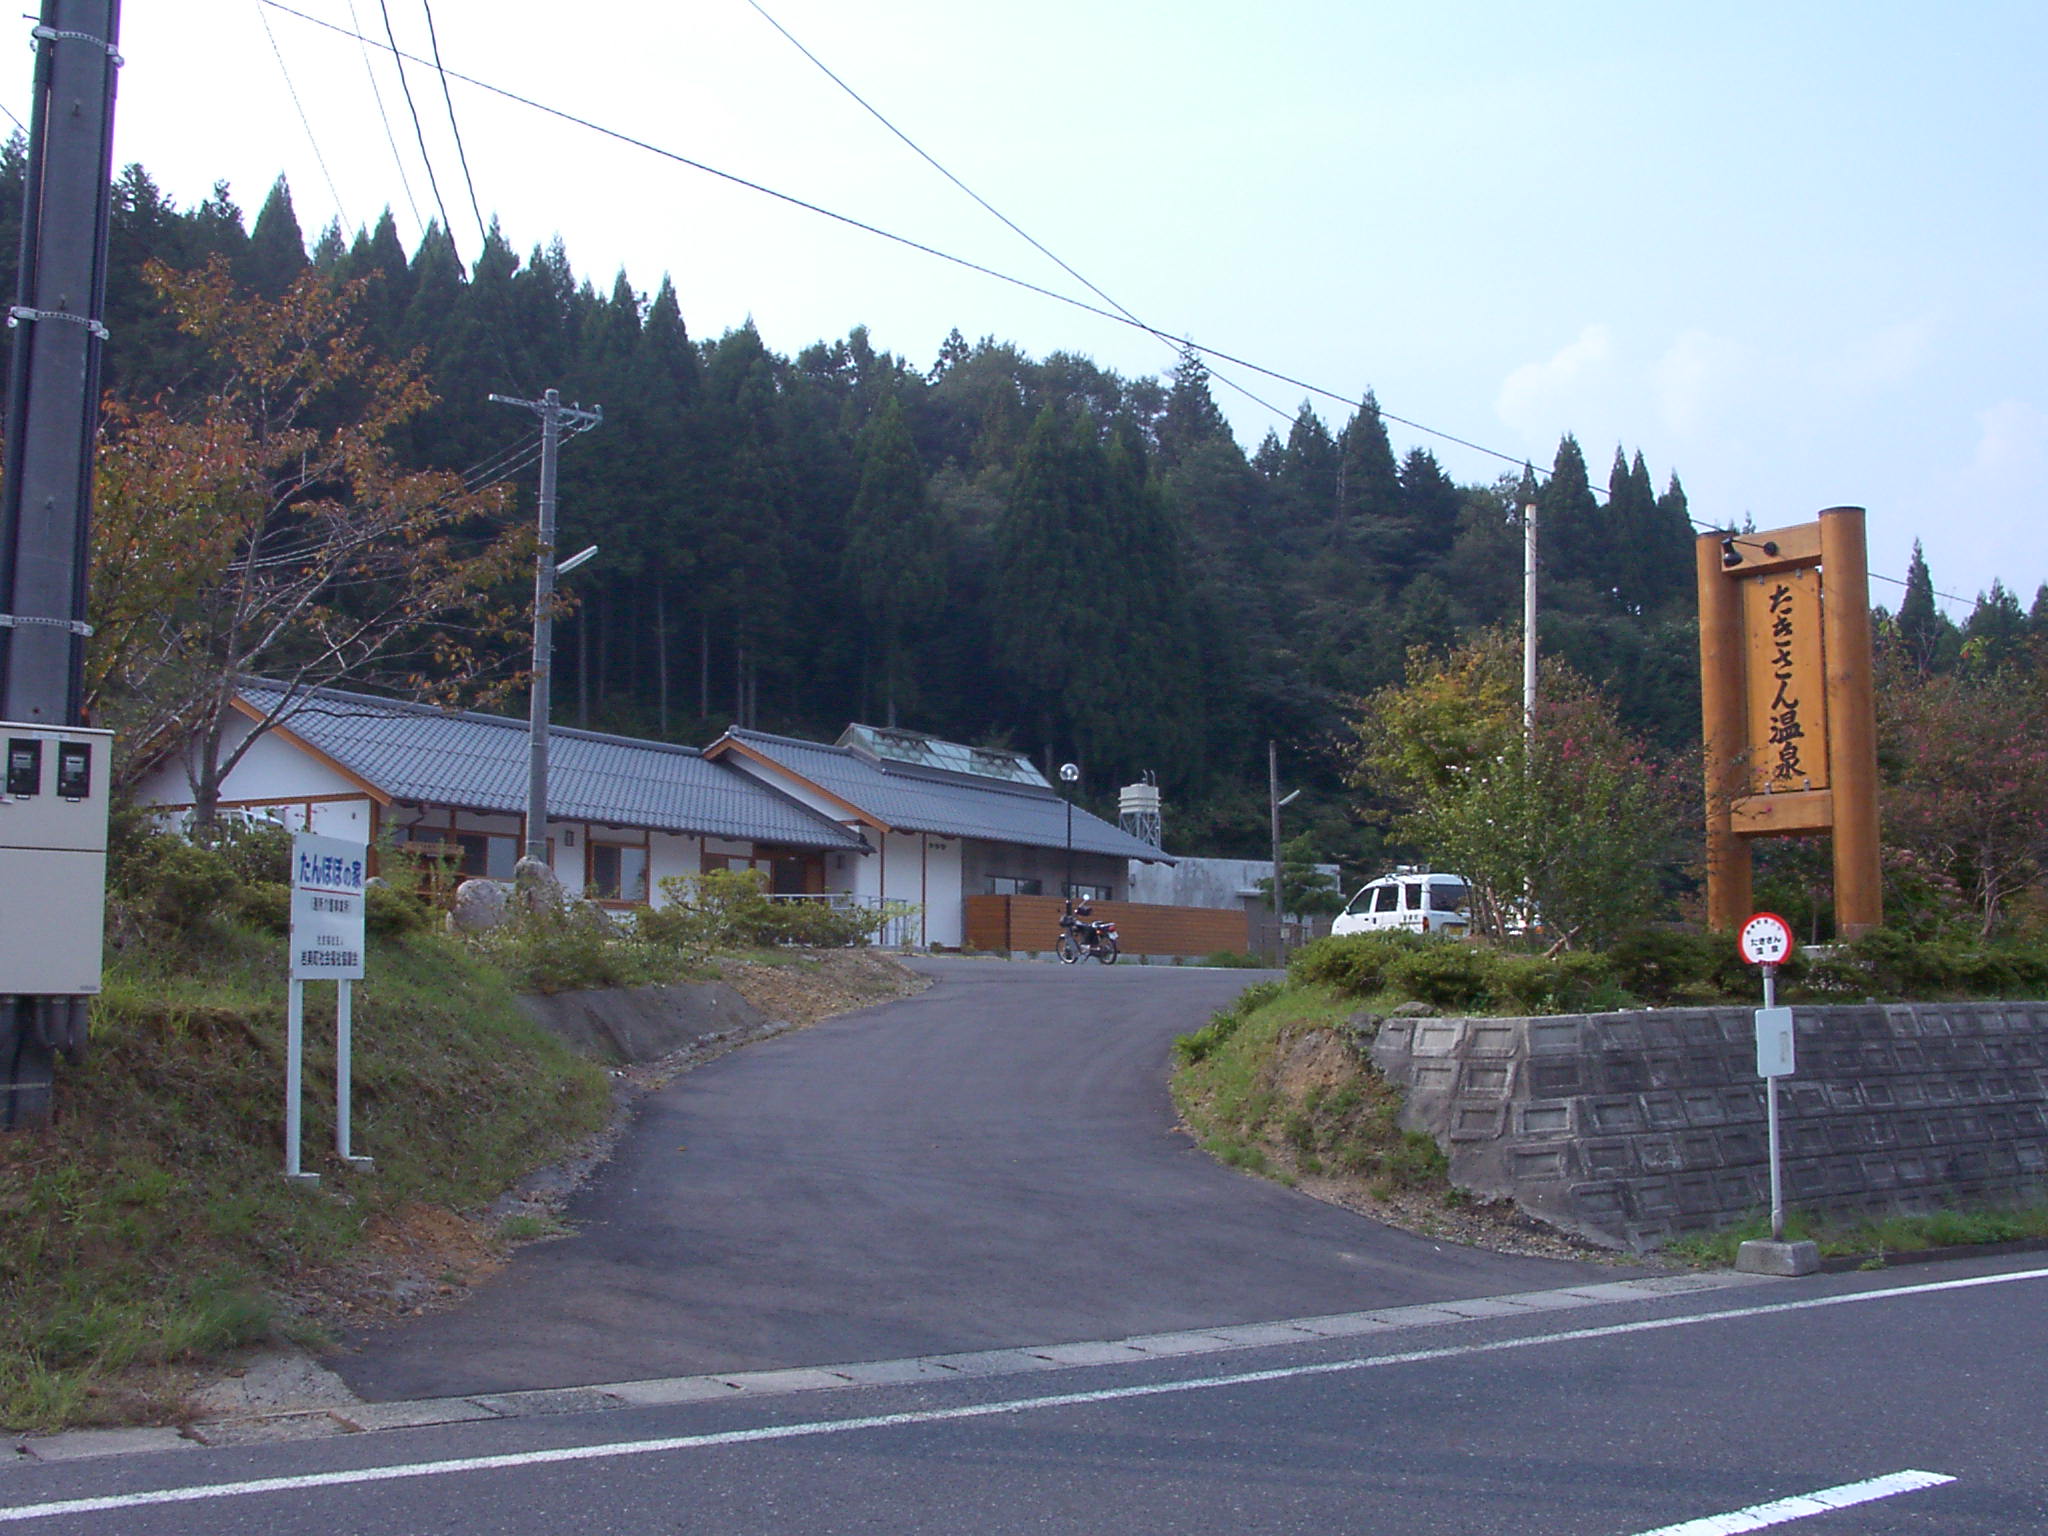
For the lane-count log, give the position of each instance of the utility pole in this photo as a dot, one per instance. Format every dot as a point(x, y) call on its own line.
point(53, 821)
point(554, 416)
point(1529, 625)
point(1273, 800)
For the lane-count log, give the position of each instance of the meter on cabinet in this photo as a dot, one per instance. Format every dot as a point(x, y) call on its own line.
point(53, 860)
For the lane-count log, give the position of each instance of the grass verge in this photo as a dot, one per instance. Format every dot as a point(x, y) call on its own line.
point(1278, 1084)
point(1873, 1240)
point(148, 1226)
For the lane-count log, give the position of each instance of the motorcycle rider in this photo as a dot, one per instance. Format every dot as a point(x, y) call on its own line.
point(1076, 915)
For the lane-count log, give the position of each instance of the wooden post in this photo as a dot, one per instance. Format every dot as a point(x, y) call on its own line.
point(1859, 881)
point(1723, 727)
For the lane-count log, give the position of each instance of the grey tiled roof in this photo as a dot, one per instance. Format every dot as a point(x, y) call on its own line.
point(479, 762)
point(946, 804)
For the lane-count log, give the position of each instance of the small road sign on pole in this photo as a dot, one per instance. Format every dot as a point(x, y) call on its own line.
point(1766, 940)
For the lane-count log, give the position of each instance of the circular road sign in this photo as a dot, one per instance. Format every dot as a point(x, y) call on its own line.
point(1766, 939)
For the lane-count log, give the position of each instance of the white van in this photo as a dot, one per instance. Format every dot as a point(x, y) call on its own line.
point(1407, 899)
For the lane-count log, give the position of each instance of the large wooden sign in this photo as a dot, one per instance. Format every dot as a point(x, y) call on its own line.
point(1785, 695)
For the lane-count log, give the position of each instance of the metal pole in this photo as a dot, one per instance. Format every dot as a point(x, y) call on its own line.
point(543, 636)
point(1771, 1117)
point(294, 1069)
point(1069, 891)
point(344, 1071)
point(553, 415)
point(1529, 625)
point(1273, 797)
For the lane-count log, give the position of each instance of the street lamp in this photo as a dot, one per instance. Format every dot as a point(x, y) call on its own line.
point(1070, 773)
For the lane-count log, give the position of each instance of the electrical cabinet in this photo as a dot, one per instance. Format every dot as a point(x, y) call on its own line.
point(53, 859)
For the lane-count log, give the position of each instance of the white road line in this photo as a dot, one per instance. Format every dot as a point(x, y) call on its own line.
point(1801, 1506)
point(302, 1482)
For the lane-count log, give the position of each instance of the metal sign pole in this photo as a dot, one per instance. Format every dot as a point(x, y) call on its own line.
point(344, 1077)
point(1771, 1116)
point(294, 1069)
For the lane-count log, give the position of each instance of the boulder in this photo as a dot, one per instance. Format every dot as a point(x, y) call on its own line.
point(479, 905)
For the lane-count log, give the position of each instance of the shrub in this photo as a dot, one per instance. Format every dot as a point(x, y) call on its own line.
point(1665, 966)
point(1572, 982)
point(1355, 965)
point(1446, 972)
point(730, 909)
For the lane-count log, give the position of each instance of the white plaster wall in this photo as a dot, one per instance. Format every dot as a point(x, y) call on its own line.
point(273, 771)
point(945, 913)
point(348, 819)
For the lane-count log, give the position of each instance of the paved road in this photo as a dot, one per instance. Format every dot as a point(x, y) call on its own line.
point(1918, 1394)
point(992, 1163)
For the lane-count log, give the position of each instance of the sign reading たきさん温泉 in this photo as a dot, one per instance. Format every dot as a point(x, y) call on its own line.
point(328, 879)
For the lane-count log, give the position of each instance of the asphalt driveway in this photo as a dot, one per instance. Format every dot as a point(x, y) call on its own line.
point(992, 1163)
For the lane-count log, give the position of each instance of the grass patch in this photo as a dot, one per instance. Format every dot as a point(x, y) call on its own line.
point(1871, 1239)
point(148, 1224)
point(1270, 1086)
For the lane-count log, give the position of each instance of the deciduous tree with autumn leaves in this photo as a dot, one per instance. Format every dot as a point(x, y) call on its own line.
point(261, 523)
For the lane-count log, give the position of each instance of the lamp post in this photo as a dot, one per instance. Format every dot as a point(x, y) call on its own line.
point(1274, 796)
point(1070, 774)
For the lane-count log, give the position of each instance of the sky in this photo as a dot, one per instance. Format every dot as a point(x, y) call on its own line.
point(1792, 252)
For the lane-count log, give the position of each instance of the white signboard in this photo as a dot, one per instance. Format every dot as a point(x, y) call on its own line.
point(1774, 1053)
point(1765, 939)
point(328, 876)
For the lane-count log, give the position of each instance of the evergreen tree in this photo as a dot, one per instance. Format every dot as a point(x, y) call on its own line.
point(1370, 532)
point(894, 561)
point(1920, 622)
point(276, 252)
point(1191, 418)
point(1996, 630)
point(1575, 560)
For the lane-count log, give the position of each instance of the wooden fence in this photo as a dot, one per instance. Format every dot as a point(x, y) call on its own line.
point(1032, 924)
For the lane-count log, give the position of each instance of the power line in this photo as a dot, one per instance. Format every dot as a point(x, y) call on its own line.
point(377, 92)
point(304, 121)
point(12, 118)
point(1179, 347)
point(399, 56)
point(461, 155)
point(1517, 460)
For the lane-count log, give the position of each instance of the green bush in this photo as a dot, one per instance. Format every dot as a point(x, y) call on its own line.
point(1669, 967)
point(1887, 963)
point(1447, 973)
point(1572, 982)
point(1355, 965)
point(731, 909)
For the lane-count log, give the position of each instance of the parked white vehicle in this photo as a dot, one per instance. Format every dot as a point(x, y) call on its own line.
point(1407, 899)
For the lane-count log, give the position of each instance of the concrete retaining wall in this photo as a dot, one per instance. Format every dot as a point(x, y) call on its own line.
point(1629, 1128)
point(621, 1025)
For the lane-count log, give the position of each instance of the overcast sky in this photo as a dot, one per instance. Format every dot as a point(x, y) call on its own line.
point(1792, 251)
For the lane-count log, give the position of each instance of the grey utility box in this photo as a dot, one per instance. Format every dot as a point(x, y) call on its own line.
point(53, 859)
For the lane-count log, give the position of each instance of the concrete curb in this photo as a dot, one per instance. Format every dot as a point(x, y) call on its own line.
point(279, 1421)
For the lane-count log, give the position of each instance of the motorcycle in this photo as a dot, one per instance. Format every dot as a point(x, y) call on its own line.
point(1081, 934)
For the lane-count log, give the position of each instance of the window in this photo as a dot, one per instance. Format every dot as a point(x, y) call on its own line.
point(1014, 885)
point(487, 856)
point(1444, 897)
point(1083, 891)
point(1387, 899)
point(617, 872)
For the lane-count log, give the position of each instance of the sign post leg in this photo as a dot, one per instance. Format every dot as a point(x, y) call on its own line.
point(344, 1056)
point(294, 1071)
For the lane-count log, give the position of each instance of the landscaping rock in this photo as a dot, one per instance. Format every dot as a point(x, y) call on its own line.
point(480, 905)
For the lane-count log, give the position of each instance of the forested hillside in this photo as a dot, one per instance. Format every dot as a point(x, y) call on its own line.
point(991, 547)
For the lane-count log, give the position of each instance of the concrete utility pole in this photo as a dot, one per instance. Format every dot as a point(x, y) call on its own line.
point(1529, 625)
point(53, 831)
point(53, 384)
point(554, 416)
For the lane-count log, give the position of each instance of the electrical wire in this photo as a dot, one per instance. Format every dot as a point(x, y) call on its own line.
point(1180, 347)
point(399, 56)
point(13, 119)
point(377, 92)
point(304, 121)
point(462, 155)
point(1519, 461)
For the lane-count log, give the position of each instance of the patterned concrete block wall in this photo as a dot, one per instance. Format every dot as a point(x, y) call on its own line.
point(1630, 1128)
